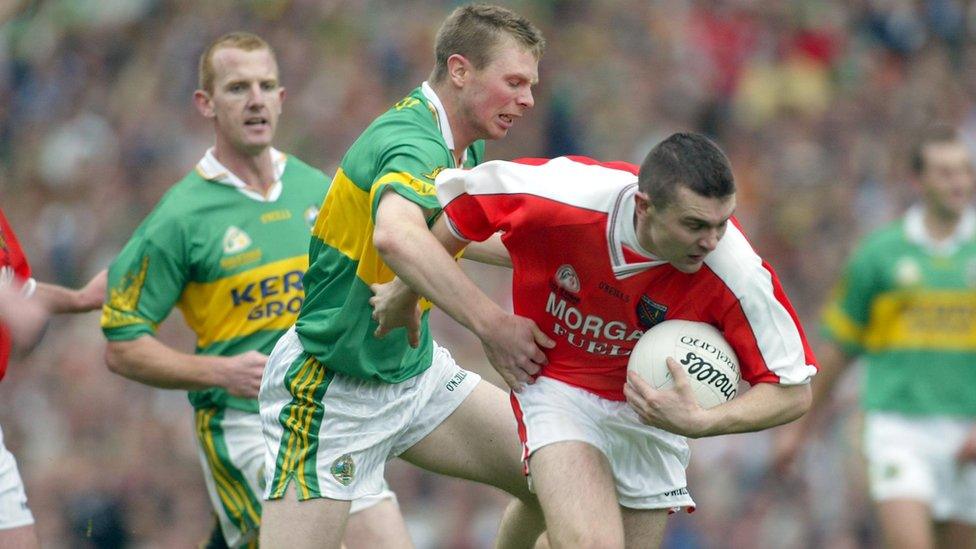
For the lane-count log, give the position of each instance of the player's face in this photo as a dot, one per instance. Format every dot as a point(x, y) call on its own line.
point(686, 230)
point(499, 93)
point(246, 100)
point(947, 178)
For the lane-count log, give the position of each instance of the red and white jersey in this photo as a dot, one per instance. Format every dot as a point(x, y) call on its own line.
point(13, 269)
point(582, 276)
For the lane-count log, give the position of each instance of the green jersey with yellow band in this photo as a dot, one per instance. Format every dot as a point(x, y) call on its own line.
point(230, 259)
point(908, 305)
point(401, 152)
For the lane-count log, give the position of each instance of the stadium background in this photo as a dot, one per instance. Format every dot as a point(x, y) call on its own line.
point(815, 102)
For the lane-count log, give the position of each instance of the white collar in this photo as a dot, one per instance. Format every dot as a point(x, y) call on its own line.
point(442, 122)
point(211, 169)
point(622, 232)
point(916, 232)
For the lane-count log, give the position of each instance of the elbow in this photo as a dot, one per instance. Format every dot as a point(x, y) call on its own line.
point(802, 401)
point(114, 359)
point(387, 243)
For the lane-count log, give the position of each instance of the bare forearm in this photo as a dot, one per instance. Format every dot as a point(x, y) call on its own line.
point(148, 361)
point(57, 299)
point(761, 407)
point(423, 259)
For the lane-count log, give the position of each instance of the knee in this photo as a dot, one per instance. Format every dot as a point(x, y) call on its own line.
point(594, 538)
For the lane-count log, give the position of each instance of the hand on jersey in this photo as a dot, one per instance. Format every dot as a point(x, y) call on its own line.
point(514, 345)
point(242, 374)
point(675, 410)
point(395, 305)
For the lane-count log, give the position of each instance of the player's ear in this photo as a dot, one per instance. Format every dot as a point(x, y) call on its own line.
point(458, 68)
point(642, 203)
point(203, 103)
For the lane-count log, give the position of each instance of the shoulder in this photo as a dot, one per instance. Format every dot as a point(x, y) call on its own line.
point(883, 238)
point(409, 124)
point(179, 206)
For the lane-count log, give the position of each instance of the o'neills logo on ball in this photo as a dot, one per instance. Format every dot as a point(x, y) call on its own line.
point(700, 369)
point(567, 279)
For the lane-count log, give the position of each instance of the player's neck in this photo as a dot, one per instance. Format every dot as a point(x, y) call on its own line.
point(940, 225)
point(453, 110)
point(256, 171)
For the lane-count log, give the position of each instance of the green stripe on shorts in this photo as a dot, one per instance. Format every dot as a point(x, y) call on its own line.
point(239, 503)
point(307, 380)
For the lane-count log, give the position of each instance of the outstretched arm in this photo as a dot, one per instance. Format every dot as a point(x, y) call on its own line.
point(422, 257)
point(58, 299)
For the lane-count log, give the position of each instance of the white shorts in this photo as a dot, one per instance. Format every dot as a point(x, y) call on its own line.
point(648, 464)
point(231, 450)
point(914, 458)
point(334, 433)
point(13, 500)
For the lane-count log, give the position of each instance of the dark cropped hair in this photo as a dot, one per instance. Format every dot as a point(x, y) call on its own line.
point(474, 31)
point(687, 159)
point(935, 134)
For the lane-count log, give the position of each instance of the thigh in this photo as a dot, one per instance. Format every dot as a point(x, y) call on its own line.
point(314, 523)
point(477, 442)
point(906, 524)
point(14, 513)
point(380, 524)
point(578, 495)
point(899, 461)
point(231, 450)
point(21, 537)
point(644, 528)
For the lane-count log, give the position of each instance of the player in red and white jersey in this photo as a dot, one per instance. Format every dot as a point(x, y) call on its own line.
point(23, 312)
point(600, 254)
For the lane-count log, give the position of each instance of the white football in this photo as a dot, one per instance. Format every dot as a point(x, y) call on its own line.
point(711, 364)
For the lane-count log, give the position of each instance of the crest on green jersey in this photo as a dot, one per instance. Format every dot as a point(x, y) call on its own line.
point(235, 240)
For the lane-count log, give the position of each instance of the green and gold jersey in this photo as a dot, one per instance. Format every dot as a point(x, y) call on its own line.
point(230, 259)
point(401, 151)
point(909, 306)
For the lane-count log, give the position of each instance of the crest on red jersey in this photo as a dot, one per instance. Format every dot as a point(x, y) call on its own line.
point(650, 312)
point(567, 279)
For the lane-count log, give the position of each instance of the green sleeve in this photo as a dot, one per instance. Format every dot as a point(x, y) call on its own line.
point(848, 311)
point(145, 281)
point(409, 168)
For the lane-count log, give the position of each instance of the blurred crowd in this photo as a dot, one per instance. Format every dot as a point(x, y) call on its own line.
point(815, 101)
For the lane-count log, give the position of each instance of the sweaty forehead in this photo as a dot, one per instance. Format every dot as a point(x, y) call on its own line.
point(233, 62)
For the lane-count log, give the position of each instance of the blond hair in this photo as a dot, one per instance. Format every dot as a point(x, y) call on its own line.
point(239, 40)
point(473, 31)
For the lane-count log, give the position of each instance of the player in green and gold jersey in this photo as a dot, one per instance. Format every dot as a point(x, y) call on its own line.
point(337, 402)
point(227, 245)
point(906, 305)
